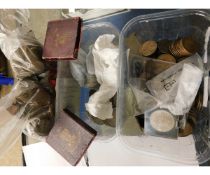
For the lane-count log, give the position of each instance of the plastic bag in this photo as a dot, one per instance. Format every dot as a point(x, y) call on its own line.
point(164, 86)
point(40, 118)
point(28, 106)
point(26, 102)
point(11, 19)
point(12, 122)
point(189, 83)
point(137, 76)
point(20, 46)
point(144, 101)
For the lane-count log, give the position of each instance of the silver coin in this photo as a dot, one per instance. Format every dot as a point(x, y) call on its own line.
point(162, 121)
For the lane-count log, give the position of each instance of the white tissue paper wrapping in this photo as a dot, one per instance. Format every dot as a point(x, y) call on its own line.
point(106, 56)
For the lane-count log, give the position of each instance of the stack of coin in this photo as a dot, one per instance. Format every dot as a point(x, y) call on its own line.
point(167, 57)
point(183, 47)
point(148, 48)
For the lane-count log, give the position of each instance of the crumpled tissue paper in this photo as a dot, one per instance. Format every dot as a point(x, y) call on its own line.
point(106, 56)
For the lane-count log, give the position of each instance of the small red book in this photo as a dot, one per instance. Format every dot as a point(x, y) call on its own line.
point(70, 137)
point(62, 39)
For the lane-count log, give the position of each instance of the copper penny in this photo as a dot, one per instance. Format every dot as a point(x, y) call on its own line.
point(148, 48)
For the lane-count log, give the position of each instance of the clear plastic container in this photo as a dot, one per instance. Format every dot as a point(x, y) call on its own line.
point(68, 90)
point(164, 25)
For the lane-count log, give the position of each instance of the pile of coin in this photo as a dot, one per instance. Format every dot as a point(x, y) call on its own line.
point(169, 50)
point(183, 47)
point(164, 54)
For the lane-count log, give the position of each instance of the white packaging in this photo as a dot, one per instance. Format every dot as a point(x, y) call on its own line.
point(164, 86)
point(189, 83)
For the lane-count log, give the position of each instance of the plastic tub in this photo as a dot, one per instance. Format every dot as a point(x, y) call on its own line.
point(164, 25)
point(68, 90)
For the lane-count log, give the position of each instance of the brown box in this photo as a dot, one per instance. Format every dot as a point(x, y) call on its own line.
point(62, 39)
point(70, 137)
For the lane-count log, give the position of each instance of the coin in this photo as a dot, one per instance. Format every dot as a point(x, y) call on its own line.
point(148, 48)
point(132, 43)
point(167, 57)
point(183, 47)
point(186, 131)
point(189, 44)
point(162, 121)
point(163, 46)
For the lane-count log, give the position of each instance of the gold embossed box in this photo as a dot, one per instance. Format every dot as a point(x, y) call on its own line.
point(70, 137)
point(62, 39)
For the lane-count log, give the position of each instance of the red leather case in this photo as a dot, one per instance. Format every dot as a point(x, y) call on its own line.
point(62, 39)
point(70, 137)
